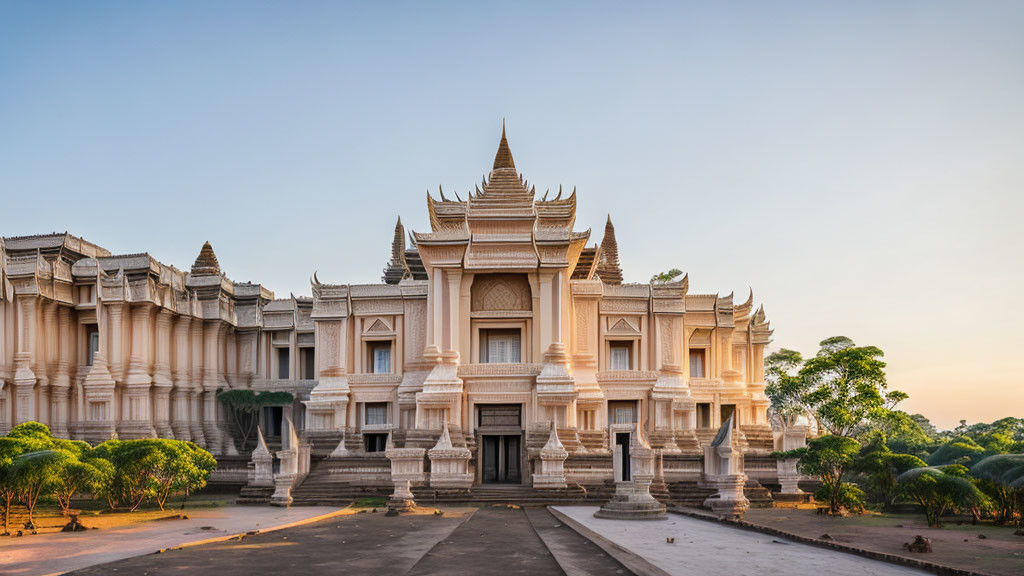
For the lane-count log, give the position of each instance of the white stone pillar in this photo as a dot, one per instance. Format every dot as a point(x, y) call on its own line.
point(162, 381)
point(61, 386)
point(196, 379)
point(24, 375)
point(211, 381)
point(181, 384)
point(137, 421)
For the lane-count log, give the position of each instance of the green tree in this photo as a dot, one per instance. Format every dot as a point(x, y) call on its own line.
point(9, 489)
point(938, 491)
point(1001, 478)
point(962, 450)
point(181, 467)
point(244, 408)
point(847, 385)
point(71, 476)
point(785, 387)
point(133, 471)
point(879, 467)
point(35, 474)
point(666, 277)
point(830, 458)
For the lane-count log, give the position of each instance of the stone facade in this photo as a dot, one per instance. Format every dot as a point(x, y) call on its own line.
point(97, 345)
point(499, 345)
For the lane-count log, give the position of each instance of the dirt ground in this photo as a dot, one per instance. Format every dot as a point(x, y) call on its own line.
point(956, 545)
point(95, 515)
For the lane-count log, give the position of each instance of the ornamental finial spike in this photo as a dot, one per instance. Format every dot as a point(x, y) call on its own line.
point(503, 159)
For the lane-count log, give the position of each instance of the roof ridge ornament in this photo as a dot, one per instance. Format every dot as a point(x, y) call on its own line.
point(503, 159)
point(206, 263)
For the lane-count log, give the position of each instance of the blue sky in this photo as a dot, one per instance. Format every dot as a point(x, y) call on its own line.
point(859, 165)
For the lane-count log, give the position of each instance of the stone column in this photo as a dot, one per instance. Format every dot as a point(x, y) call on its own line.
point(61, 386)
point(196, 383)
point(440, 402)
point(97, 423)
point(47, 336)
point(137, 418)
point(182, 385)
point(24, 375)
point(6, 369)
point(556, 389)
point(210, 382)
point(162, 382)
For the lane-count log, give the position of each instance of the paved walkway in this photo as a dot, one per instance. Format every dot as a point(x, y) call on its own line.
point(703, 547)
point(464, 541)
point(63, 552)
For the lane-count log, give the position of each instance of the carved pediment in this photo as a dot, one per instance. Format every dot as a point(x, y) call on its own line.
point(378, 325)
point(623, 325)
point(501, 292)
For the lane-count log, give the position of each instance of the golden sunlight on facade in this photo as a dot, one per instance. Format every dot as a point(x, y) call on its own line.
point(499, 349)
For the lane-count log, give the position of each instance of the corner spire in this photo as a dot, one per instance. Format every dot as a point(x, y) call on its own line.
point(608, 268)
point(397, 269)
point(206, 263)
point(503, 159)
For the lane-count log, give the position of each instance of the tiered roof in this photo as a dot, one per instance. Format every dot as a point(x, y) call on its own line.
point(206, 263)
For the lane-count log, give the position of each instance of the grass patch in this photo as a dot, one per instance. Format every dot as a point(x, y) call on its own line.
point(371, 502)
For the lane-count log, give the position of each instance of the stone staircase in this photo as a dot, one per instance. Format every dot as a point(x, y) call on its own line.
point(689, 494)
point(759, 438)
point(759, 496)
point(255, 495)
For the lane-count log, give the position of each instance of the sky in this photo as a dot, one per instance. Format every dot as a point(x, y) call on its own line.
point(859, 165)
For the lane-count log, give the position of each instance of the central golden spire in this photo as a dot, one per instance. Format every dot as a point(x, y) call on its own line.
point(503, 159)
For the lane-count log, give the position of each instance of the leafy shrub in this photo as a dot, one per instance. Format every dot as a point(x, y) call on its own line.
point(939, 492)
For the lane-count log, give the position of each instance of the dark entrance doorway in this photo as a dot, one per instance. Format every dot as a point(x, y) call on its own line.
point(622, 440)
point(501, 459)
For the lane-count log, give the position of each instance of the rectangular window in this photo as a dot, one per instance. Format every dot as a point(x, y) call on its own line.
point(622, 412)
point(621, 355)
point(283, 369)
point(376, 413)
point(703, 415)
point(375, 442)
point(97, 411)
point(380, 357)
point(697, 363)
point(500, 346)
point(727, 411)
point(308, 365)
point(94, 344)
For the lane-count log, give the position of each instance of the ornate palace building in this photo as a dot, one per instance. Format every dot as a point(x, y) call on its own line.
point(496, 337)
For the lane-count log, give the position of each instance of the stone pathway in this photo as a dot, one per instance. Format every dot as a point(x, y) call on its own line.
point(63, 552)
point(703, 547)
point(464, 541)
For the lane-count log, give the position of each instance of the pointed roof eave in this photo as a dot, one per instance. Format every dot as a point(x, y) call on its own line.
point(503, 159)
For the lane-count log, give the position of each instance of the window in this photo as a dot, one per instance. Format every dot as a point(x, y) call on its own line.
point(308, 363)
point(283, 369)
point(703, 415)
point(94, 345)
point(375, 442)
point(697, 363)
point(97, 411)
point(727, 411)
point(380, 357)
point(499, 346)
point(622, 412)
point(621, 355)
point(376, 413)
